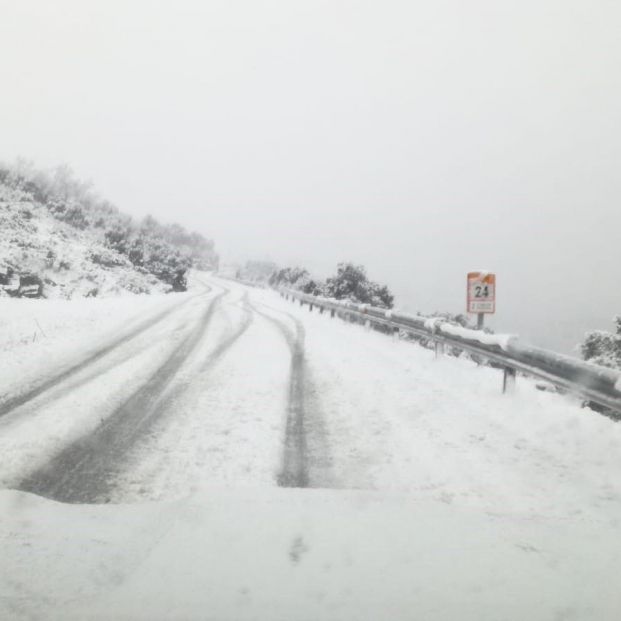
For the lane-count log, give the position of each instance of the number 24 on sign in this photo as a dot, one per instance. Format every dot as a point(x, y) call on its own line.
point(481, 292)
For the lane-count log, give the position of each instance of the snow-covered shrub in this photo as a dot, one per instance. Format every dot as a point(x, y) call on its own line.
point(296, 278)
point(162, 250)
point(107, 258)
point(603, 348)
point(69, 212)
point(118, 235)
point(351, 283)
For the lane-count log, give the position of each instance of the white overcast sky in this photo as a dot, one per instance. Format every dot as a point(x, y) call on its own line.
point(422, 139)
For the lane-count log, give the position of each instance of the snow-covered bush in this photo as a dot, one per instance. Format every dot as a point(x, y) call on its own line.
point(351, 283)
point(296, 278)
point(118, 234)
point(603, 348)
point(107, 258)
point(165, 251)
point(70, 212)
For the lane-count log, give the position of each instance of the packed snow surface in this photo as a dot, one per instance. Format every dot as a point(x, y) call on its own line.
point(428, 493)
point(300, 554)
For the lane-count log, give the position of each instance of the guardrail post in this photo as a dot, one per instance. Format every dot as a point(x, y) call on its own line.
point(310, 307)
point(332, 313)
point(508, 380)
point(321, 309)
point(395, 334)
point(301, 302)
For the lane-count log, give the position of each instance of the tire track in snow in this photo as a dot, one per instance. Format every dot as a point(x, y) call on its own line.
point(229, 340)
point(210, 360)
point(18, 400)
point(83, 471)
point(300, 460)
point(78, 380)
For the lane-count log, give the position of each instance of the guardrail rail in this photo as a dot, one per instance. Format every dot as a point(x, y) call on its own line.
point(597, 385)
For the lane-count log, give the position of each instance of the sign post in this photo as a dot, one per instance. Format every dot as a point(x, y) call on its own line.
point(481, 295)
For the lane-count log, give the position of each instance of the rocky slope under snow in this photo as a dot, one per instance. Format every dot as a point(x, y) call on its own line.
point(68, 261)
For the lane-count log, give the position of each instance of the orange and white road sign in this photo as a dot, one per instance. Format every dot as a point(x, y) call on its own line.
point(481, 292)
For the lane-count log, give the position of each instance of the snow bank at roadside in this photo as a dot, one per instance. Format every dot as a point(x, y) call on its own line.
point(37, 337)
point(40, 337)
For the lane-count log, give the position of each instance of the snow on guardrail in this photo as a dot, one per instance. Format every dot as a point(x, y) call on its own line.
point(597, 385)
point(501, 340)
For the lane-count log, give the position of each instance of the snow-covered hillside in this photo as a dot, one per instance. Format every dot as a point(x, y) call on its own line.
point(63, 240)
point(72, 263)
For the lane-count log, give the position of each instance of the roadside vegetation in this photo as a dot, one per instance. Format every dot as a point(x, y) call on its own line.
point(61, 239)
point(349, 283)
point(603, 348)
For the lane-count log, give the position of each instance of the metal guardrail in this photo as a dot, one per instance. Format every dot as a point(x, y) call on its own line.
point(597, 385)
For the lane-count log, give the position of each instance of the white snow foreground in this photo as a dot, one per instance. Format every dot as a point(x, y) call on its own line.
point(300, 554)
point(436, 497)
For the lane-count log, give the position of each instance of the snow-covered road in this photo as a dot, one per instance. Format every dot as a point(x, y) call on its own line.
point(228, 388)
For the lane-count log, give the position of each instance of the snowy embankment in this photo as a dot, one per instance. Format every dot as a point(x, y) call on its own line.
point(39, 336)
point(448, 500)
point(72, 263)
